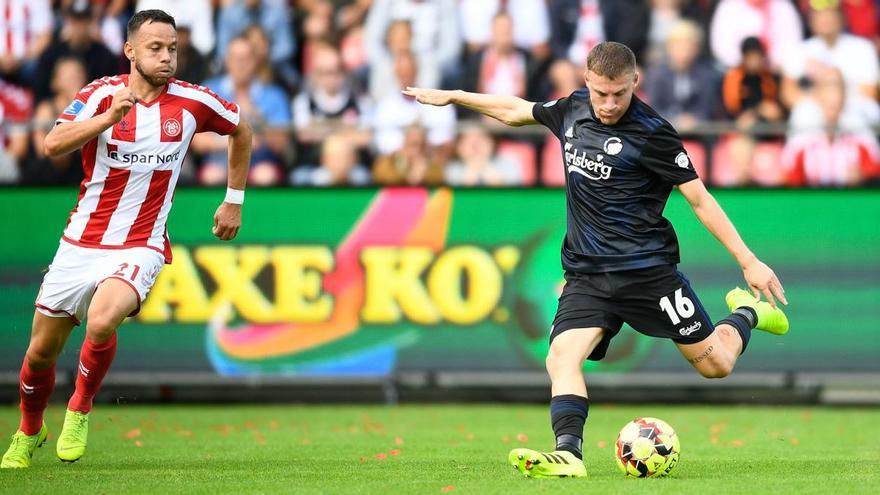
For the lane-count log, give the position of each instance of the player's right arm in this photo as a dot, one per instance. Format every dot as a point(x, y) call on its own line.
point(510, 110)
point(69, 136)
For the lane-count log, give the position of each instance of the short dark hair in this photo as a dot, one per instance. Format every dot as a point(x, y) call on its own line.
point(144, 16)
point(611, 59)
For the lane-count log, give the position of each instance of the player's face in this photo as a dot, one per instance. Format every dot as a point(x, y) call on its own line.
point(610, 97)
point(154, 52)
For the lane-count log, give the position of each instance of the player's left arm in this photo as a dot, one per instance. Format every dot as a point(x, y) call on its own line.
point(758, 275)
point(227, 219)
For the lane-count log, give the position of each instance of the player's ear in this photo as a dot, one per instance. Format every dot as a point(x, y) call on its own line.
point(636, 79)
point(128, 49)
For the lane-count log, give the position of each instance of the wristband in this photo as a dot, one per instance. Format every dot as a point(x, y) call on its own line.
point(234, 196)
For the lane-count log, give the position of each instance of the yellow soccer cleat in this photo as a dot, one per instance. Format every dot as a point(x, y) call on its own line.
point(74, 435)
point(22, 449)
point(770, 319)
point(556, 464)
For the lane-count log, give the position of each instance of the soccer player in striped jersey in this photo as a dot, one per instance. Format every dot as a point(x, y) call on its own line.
point(134, 131)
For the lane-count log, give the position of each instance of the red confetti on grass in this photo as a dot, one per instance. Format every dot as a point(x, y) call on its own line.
point(133, 433)
point(738, 443)
point(395, 452)
point(398, 441)
point(795, 441)
point(447, 489)
point(505, 439)
point(601, 444)
point(138, 443)
point(260, 438)
point(522, 437)
point(381, 456)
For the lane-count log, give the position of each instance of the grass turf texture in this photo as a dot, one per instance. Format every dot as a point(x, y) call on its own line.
point(443, 449)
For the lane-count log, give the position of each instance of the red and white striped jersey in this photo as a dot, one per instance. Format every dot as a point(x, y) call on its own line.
point(20, 22)
point(814, 159)
point(131, 168)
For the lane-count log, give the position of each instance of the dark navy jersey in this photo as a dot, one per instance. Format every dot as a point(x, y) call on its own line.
point(617, 179)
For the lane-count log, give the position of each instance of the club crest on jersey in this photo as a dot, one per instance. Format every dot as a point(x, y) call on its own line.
point(613, 145)
point(171, 127)
point(74, 107)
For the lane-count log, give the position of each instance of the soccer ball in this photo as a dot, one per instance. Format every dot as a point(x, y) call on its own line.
point(647, 448)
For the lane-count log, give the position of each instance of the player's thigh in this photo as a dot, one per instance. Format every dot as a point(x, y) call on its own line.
point(574, 345)
point(48, 336)
point(660, 302)
point(125, 281)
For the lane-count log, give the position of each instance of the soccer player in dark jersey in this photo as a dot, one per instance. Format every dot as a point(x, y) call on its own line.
point(620, 254)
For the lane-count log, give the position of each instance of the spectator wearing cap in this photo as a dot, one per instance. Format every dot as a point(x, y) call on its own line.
point(197, 15)
point(750, 93)
point(855, 57)
point(26, 27)
point(76, 39)
point(684, 88)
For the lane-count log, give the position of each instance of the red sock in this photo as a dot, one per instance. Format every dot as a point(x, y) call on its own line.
point(94, 361)
point(35, 387)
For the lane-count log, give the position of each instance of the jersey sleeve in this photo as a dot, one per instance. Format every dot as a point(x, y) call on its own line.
point(551, 114)
point(664, 155)
point(223, 117)
point(90, 101)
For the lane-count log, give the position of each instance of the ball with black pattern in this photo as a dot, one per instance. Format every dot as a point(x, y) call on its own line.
point(647, 448)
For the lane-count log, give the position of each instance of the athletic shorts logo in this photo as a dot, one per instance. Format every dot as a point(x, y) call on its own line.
point(171, 127)
point(691, 329)
point(613, 145)
point(74, 107)
point(682, 160)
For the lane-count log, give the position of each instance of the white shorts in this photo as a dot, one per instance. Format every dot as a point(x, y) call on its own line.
point(76, 272)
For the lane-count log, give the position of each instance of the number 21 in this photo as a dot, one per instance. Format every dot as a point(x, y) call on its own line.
point(121, 271)
point(684, 307)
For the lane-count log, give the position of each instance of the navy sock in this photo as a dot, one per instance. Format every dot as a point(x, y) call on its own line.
point(568, 413)
point(744, 319)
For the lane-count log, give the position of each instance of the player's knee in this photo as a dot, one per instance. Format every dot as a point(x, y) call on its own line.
point(40, 357)
point(100, 327)
point(562, 359)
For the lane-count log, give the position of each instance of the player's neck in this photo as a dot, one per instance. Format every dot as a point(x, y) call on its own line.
point(145, 91)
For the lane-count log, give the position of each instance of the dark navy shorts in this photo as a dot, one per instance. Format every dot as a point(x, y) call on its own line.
point(656, 301)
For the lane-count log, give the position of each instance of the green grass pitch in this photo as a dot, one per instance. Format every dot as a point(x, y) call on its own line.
point(444, 449)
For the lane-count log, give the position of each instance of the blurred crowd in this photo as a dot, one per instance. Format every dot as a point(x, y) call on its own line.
point(765, 92)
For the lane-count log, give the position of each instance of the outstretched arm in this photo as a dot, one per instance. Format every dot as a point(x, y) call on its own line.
point(227, 219)
point(510, 110)
point(759, 276)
